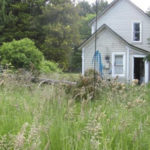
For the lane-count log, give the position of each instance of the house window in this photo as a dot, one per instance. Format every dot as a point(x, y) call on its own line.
point(118, 62)
point(137, 32)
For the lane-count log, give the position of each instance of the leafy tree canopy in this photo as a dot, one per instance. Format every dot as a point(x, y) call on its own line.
point(87, 13)
point(60, 25)
point(56, 26)
point(84, 8)
point(101, 5)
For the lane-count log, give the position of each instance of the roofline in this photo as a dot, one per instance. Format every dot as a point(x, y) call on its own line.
point(139, 9)
point(100, 14)
point(121, 38)
point(104, 11)
point(91, 36)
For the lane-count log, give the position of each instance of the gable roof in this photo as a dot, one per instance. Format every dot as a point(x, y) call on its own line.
point(113, 3)
point(104, 26)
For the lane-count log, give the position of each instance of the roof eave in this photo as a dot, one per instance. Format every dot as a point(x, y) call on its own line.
point(104, 11)
point(122, 39)
point(92, 36)
point(111, 5)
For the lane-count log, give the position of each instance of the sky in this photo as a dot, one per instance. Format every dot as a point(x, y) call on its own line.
point(143, 4)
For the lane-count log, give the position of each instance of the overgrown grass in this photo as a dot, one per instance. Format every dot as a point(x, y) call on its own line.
point(47, 118)
point(62, 76)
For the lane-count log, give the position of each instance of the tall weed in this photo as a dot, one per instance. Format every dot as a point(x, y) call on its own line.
point(47, 118)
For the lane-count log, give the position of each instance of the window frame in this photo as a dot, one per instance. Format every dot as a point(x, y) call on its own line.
point(134, 33)
point(113, 63)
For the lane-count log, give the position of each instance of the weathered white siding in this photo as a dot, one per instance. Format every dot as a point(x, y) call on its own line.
point(107, 43)
point(120, 18)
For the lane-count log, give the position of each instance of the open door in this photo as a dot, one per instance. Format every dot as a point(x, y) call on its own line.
point(140, 69)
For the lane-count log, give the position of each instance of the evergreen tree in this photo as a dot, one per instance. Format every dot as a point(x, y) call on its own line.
point(60, 25)
point(101, 5)
point(54, 26)
point(85, 30)
point(17, 19)
point(87, 13)
point(84, 8)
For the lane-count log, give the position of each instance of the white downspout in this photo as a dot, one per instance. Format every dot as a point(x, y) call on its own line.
point(83, 61)
point(128, 62)
point(146, 71)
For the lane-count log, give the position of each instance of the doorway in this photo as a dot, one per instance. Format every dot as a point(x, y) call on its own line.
point(139, 69)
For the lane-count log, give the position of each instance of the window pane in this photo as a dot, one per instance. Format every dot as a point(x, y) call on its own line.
point(136, 32)
point(136, 26)
point(118, 69)
point(136, 36)
point(119, 60)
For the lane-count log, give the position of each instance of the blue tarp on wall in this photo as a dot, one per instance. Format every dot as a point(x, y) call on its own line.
point(97, 59)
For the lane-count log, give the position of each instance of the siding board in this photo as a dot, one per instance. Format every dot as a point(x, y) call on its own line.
point(120, 18)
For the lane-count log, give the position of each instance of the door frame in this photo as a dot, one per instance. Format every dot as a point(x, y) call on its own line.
point(146, 65)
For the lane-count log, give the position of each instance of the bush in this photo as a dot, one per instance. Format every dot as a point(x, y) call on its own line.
point(21, 54)
point(86, 89)
point(48, 66)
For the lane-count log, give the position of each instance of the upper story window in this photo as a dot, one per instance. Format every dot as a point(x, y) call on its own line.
point(137, 32)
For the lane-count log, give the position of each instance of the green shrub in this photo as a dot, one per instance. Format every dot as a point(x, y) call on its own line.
point(48, 66)
point(21, 54)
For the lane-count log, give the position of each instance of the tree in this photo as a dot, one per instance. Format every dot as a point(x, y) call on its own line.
point(84, 8)
point(60, 25)
point(17, 19)
point(56, 26)
point(21, 54)
point(85, 30)
point(89, 14)
point(101, 5)
point(86, 13)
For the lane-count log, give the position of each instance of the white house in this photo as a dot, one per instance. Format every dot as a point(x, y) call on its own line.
point(122, 36)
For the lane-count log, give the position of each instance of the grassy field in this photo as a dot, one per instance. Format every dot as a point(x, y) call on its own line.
point(47, 118)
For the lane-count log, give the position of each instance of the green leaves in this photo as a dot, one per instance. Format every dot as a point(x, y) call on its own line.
point(61, 31)
point(49, 67)
point(56, 26)
point(17, 19)
point(21, 54)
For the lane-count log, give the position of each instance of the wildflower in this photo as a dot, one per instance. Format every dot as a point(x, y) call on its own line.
point(20, 138)
point(139, 101)
point(135, 82)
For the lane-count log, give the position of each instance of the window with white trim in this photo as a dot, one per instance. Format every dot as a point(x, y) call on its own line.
point(137, 32)
point(118, 62)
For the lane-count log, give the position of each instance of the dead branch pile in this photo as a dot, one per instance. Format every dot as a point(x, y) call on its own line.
point(42, 81)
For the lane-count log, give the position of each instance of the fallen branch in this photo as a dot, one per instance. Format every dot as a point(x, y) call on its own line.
point(51, 81)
